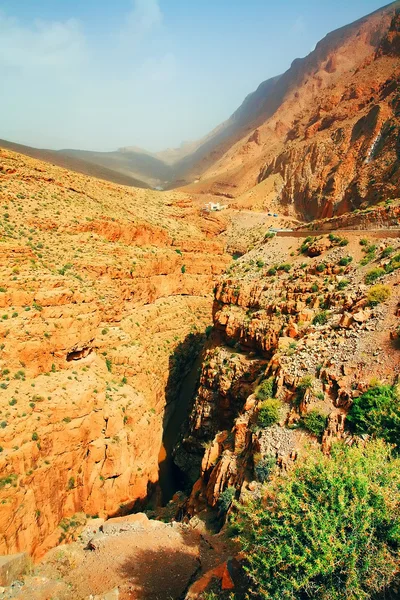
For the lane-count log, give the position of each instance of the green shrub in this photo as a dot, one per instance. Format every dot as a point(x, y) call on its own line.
point(35, 436)
point(321, 267)
point(183, 269)
point(271, 271)
point(265, 389)
point(269, 235)
point(109, 365)
point(377, 412)
point(345, 260)
point(285, 267)
point(378, 293)
point(226, 499)
point(268, 413)
point(260, 263)
point(305, 383)
point(374, 274)
point(343, 284)
point(321, 318)
point(263, 466)
point(314, 422)
point(387, 251)
point(314, 287)
point(328, 530)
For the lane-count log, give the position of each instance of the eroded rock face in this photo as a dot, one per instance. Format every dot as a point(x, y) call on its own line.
point(294, 312)
point(103, 290)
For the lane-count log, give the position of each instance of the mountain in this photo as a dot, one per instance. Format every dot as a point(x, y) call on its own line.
point(76, 164)
point(321, 139)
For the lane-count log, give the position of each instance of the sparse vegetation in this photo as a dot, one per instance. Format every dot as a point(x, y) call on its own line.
point(377, 294)
point(374, 274)
point(265, 389)
point(321, 318)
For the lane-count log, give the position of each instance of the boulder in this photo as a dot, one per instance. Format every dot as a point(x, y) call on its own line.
point(12, 567)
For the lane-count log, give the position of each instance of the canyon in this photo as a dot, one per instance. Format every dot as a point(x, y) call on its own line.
point(102, 289)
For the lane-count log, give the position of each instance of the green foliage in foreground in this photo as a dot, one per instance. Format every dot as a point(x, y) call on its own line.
point(329, 530)
point(377, 412)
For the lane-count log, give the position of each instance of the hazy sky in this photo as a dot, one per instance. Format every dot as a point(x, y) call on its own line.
point(98, 75)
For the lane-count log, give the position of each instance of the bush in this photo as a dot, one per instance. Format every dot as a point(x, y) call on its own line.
point(315, 422)
point(285, 267)
point(377, 412)
point(265, 389)
point(271, 271)
point(263, 467)
point(268, 413)
point(374, 274)
point(343, 284)
point(321, 267)
point(377, 294)
point(226, 499)
point(321, 318)
point(345, 260)
point(387, 251)
point(328, 530)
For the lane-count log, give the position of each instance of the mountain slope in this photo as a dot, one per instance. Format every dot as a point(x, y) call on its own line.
point(329, 136)
point(75, 163)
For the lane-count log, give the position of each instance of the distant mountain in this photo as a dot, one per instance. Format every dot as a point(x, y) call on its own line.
point(74, 163)
point(319, 139)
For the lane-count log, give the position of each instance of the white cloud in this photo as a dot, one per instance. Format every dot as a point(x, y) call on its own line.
point(145, 17)
point(52, 44)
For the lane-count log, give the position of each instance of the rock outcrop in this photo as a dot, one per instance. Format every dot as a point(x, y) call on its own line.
point(292, 321)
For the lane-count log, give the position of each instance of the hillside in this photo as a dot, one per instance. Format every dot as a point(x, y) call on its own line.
point(326, 139)
point(100, 287)
point(76, 164)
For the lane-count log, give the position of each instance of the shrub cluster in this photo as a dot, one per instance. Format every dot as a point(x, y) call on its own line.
point(377, 294)
point(314, 422)
point(377, 412)
point(328, 530)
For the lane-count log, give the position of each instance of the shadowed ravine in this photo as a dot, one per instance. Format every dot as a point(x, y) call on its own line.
point(171, 479)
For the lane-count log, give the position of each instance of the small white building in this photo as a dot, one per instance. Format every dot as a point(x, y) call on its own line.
point(213, 207)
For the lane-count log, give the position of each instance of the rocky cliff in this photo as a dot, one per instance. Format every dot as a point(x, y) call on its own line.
point(102, 288)
point(303, 325)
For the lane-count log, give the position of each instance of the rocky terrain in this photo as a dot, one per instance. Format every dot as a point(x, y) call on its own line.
point(301, 314)
point(146, 343)
point(104, 291)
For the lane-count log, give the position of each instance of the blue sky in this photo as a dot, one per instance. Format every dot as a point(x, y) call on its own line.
point(98, 75)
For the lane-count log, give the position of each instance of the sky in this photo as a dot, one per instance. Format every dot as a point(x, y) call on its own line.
point(99, 75)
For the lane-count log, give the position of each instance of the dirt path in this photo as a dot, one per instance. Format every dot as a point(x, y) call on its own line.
point(155, 561)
